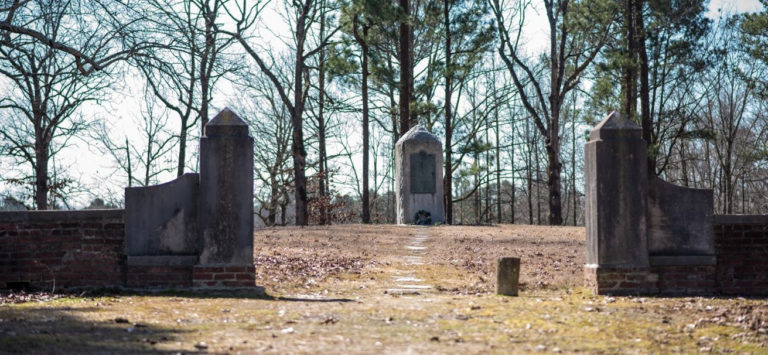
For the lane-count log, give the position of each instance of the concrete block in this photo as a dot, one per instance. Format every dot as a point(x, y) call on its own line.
point(162, 219)
point(679, 220)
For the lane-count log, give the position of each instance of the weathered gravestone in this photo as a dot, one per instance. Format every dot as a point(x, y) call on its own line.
point(419, 178)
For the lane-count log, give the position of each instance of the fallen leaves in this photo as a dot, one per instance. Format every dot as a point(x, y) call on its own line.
point(306, 269)
point(16, 297)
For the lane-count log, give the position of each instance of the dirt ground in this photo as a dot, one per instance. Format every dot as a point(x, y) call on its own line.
point(336, 289)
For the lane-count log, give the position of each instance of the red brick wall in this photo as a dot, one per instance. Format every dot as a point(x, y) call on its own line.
point(159, 276)
point(620, 281)
point(209, 276)
point(685, 279)
point(74, 248)
point(742, 254)
point(87, 249)
point(741, 247)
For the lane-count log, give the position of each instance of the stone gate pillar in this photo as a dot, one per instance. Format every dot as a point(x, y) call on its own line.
point(616, 207)
point(226, 204)
point(419, 178)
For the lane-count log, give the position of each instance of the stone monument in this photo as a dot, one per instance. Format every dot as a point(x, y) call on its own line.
point(197, 230)
point(226, 202)
point(616, 207)
point(419, 178)
point(644, 235)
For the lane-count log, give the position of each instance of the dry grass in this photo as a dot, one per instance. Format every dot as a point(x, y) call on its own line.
point(328, 286)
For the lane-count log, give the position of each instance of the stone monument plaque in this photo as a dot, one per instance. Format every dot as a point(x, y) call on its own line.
point(422, 173)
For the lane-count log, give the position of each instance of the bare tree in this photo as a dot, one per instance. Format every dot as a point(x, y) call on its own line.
point(47, 87)
point(730, 90)
point(306, 14)
point(184, 70)
point(572, 47)
point(111, 24)
point(141, 158)
point(270, 124)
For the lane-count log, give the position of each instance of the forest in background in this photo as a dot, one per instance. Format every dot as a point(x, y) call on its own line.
point(511, 87)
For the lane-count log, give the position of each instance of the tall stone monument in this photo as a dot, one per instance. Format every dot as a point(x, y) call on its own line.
point(226, 199)
point(616, 207)
point(419, 178)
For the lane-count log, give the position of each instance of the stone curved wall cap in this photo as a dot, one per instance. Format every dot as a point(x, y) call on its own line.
point(226, 123)
point(612, 124)
point(418, 133)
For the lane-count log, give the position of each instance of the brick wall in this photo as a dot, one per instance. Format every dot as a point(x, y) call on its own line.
point(742, 254)
point(86, 249)
point(210, 276)
point(620, 281)
point(741, 268)
point(685, 279)
point(72, 248)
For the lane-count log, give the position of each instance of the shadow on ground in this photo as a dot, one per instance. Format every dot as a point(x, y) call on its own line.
point(229, 294)
point(51, 330)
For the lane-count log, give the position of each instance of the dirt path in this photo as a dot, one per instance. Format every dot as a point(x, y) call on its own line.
point(404, 280)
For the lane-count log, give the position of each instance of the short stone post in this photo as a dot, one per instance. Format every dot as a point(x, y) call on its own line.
point(507, 276)
point(616, 207)
point(419, 178)
point(226, 204)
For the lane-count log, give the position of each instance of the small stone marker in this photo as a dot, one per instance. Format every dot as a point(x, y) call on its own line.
point(507, 276)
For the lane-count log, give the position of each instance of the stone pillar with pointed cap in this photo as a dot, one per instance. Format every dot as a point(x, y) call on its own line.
point(419, 178)
point(226, 192)
point(615, 160)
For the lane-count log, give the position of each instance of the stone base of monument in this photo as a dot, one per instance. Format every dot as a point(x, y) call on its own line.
point(620, 281)
point(507, 276)
point(224, 277)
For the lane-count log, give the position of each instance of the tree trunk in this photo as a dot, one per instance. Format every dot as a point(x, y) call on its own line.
point(297, 146)
point(273, 199)
point(553, 182)
point(574, 192)
point(448, 178)
point(498, 163)
point(405, 65)
point(366, 133)
point(629, 84)
point(182, 148)
point(476, 207)
point(529, 170)
point(323, 174)
point(41, 174)
point(645, 109)
point(512, 167)
point(538, 183)
point(128, 158)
